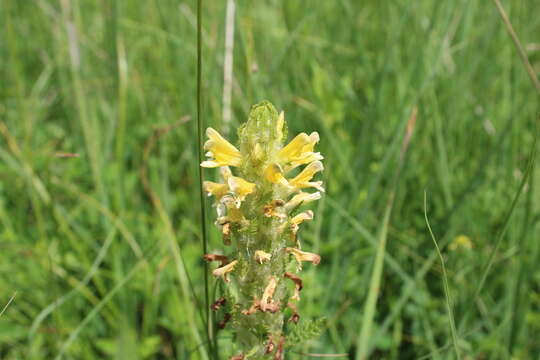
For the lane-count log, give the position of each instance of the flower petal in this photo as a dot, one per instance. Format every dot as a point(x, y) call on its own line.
point(223, 152)
point(225, 270)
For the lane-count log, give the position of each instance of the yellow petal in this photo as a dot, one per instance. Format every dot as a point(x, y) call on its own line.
point(216, 189)
point(225, 270)
point(223, 152)
point(300, 150)
point(274, 174)
point(303, 216)
point(240, 187)
point(294, 148)
point(305, 158)
point(313, 139)
point(301, 198)
point(302, 180)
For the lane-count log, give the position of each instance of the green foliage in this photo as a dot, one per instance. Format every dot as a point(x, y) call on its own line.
point(305, 330)
point(102, 79)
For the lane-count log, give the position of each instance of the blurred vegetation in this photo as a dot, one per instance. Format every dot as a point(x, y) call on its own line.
point(99, 229)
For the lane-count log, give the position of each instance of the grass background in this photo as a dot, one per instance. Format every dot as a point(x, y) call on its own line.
point(102, 266)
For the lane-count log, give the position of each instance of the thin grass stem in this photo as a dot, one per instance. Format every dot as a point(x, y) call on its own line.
point(445, 282)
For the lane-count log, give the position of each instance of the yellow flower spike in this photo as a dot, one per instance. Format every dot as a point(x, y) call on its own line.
point(304, 256)
point(223, 152)
point(225, 270)
point(266, 300)
point(240, 187)
point(274, 174)
point(216, 189)
point(261, 256)
point(295, 148)
point(302, 180)
point(301, 198)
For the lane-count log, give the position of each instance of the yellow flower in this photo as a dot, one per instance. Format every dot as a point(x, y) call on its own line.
point(233, 184)
point(240, 187)
point(216, 189)
point(262, 256)
point(303, 216)
point(300, 150)
point(302, 180)
point(274, 174)
point(461, 242)
point(222, 151)
point(225, 270)
point(304, 256)
point(301, 198)
point(306, 154)
point(295, 148)
point(229, 210)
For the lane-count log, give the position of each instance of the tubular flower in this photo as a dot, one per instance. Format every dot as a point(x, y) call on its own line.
point(302, 180)
point(215, 189)
point(256, 204)
point(274, 174)
point(304, 256)
point(225, 270)
point(295, 148)
point(222, 151)
point(301, 198)
point(240, 187)
point(306, 155)
point(300, 218)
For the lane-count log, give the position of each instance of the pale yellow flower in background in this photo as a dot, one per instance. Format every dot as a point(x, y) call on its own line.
point(461, 242)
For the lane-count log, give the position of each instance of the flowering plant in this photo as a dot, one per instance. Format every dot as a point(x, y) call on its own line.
point(258, 213)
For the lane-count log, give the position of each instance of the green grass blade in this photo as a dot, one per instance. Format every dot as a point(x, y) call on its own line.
point(445, 282)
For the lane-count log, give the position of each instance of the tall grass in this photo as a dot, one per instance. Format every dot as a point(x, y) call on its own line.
point(105, 266)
